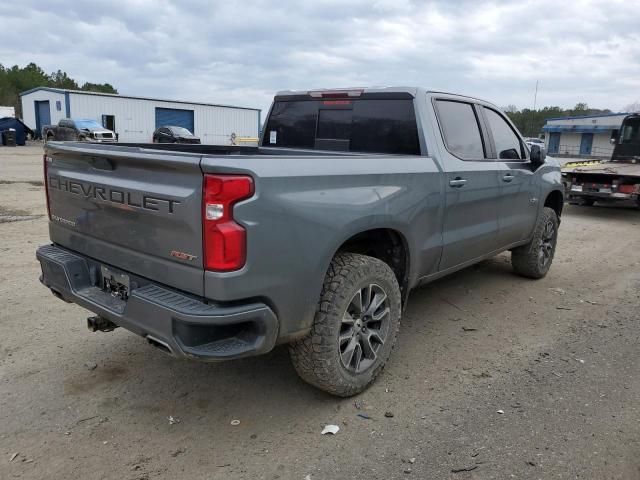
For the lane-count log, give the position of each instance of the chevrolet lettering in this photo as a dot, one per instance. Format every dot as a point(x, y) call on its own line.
point(111, 195)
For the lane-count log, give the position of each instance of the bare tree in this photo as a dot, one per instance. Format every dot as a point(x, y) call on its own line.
point(632, 107)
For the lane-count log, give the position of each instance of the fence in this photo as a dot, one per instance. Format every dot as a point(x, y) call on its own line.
point(574, 151)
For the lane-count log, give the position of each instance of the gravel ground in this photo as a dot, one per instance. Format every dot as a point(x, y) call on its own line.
point(494, 376)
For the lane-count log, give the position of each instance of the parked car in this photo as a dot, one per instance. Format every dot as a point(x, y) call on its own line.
point(314, 239)
point(83, 130)
point(174, 135)
point(534, 141)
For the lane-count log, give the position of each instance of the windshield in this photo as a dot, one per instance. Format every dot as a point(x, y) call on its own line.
point(87, 124)
point(363, 125)
point(180, 131)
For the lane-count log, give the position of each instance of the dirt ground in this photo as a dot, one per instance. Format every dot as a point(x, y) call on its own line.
point(494, 376)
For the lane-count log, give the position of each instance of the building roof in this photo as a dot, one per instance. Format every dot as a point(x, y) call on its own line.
point(580, 128)
point(575, 117)
point(134, 97)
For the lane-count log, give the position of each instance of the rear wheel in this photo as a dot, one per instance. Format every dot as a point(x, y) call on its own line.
point(354, 329)
point(534, 259)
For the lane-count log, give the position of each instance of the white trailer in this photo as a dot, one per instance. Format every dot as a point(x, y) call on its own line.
point(135, 118)
point(7, 112)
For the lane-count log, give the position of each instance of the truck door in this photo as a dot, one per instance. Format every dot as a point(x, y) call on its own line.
point(519, 198)
point(470, 224)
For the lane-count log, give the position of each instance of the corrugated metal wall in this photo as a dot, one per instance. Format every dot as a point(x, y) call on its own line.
point(28, 106)
point(135, 118)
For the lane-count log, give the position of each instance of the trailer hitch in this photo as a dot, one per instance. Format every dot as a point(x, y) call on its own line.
point(99, 323)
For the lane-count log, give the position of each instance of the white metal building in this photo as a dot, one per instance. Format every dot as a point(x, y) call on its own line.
point(135, 118)
point(584, 136)
point(7, 112)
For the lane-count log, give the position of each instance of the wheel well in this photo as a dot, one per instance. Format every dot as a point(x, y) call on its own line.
point(555, 200)
point(387, 245)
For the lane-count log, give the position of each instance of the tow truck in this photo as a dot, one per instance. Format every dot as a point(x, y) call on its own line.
point(616, 180)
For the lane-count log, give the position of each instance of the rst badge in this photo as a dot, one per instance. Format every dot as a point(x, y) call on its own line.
point(182, 255)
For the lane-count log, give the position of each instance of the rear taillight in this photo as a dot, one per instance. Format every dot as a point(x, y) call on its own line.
point(626, 188)
point(45, 167)
point(224, 241)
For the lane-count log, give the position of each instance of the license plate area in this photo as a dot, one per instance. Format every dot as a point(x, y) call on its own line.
point(115, 283)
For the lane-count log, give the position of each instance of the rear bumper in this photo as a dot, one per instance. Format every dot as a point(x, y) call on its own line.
point(185, 324)
point(613, 196)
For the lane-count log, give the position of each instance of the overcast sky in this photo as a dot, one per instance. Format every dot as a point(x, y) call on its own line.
point(242, 52)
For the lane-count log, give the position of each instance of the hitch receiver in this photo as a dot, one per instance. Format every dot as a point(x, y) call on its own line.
point(99, 323)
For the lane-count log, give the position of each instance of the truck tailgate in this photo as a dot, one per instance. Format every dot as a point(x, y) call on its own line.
point(134, 209)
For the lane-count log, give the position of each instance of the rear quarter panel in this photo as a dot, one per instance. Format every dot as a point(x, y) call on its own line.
point(303, 210)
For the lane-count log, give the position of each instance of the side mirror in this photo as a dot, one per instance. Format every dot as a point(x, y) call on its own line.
point(612, 141)
point(538, 155)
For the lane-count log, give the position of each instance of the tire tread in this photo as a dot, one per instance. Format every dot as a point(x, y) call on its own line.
point(524, 259)
point(314, 356)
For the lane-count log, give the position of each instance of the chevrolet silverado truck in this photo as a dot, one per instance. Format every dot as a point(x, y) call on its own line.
point(78, 131)
point(617, 180)
point(314, 238)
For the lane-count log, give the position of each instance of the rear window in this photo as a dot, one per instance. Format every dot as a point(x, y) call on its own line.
point(631, 131)
point(368, 126)
point(460, 129)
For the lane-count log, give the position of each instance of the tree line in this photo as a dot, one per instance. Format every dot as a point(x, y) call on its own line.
point(14, 80)
point(530, 122)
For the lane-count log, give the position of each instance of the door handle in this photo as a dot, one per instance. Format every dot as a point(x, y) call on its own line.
point(508, 177)
point(457, 182)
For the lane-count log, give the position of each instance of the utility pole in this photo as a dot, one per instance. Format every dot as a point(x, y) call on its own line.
point(533, 114)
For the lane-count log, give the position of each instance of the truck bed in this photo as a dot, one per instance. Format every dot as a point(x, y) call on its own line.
point(607, 168)
point(200, 149)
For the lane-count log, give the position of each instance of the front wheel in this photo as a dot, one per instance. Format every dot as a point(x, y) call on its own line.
point(355, 326)
point(534, 259)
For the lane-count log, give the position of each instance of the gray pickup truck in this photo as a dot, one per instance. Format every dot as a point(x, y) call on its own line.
point(85, 130)
point(313, 239)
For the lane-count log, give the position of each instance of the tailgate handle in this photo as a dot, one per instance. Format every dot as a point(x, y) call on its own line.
point(102, 163)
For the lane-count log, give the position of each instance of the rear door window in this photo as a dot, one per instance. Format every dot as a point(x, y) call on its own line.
point(460, 129)
point(359, 125)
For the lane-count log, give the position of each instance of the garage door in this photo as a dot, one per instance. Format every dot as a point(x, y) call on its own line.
point(174, 117)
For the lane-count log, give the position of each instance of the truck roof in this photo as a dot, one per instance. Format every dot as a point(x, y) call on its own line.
point(413, 91)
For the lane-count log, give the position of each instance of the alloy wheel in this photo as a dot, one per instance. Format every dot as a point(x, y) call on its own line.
point(547, 244)
point(364, 328)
